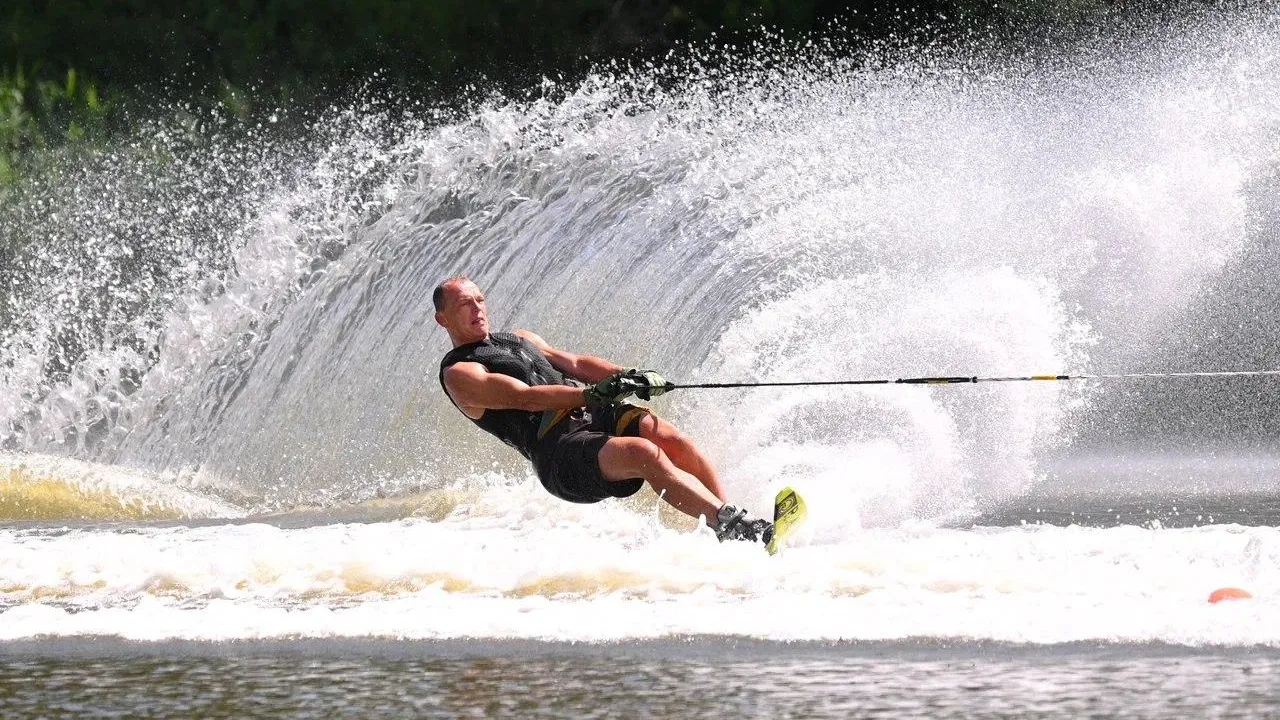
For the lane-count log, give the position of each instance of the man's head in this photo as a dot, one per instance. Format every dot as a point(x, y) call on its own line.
point(460, 310)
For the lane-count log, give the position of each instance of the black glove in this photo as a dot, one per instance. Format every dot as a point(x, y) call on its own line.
point(613, 389)
point(652, 384)
point(646, 384)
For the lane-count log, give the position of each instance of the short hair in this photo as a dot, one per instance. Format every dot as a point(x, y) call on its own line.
point(437, 295)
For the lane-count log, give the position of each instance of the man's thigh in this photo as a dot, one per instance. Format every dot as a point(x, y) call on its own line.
point(659, 431)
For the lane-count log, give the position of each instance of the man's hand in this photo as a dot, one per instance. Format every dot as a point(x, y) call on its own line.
point(652, 383)
point(645, 384)
point(613, 389)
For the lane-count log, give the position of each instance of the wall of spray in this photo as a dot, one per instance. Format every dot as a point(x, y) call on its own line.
point(252, 315)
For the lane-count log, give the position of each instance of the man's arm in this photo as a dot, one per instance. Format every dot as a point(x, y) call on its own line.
point(587, 368)
point(475, 388)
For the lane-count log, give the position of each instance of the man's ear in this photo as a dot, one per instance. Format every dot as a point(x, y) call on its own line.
point(440, 319)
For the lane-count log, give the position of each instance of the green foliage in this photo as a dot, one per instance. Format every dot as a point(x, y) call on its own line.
point(281, 41)
point(437, 43)
point(238, 53)
point(440, 43)
point(37, 113)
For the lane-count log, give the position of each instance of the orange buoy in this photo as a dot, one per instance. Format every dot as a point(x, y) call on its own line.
point(1228, 593)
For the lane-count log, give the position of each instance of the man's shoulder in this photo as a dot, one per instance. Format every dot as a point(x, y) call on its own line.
point(465, 367)
point(533, 339)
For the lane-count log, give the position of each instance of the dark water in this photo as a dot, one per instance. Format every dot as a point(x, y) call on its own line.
point(1160, 491)
point(1145, 510)
point(697, 677)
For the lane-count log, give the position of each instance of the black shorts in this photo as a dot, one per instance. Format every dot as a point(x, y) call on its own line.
point(567, 459)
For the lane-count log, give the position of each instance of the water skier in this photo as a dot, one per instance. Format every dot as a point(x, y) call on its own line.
point(585, 443)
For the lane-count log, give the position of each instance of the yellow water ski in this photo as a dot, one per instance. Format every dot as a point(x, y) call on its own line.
point(788, 513)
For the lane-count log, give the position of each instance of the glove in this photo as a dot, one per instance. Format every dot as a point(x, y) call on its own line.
point(646, 384)
point(652, 384)
point(613, 389)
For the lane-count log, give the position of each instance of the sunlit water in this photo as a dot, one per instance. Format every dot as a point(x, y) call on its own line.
point(226, 455)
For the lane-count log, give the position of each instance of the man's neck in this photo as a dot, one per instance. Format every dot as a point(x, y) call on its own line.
point(459, 342)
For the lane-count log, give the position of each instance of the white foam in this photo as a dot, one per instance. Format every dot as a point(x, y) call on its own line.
point(526, 567)
point(93, 487)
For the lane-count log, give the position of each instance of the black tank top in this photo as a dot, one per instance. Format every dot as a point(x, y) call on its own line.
point(511, 355)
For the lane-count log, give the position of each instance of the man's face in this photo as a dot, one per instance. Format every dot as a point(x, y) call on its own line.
point(464, 314)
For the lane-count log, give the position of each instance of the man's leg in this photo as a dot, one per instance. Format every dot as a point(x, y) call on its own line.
point(681, 450)
point(625, 458)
